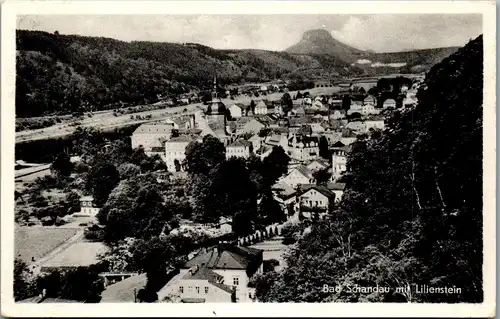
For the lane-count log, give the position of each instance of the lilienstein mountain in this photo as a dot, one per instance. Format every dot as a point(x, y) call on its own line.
point(56, 73)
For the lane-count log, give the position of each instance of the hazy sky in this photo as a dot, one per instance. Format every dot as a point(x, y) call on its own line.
point(381, 33)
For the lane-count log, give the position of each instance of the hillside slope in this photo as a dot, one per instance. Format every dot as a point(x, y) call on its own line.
point(59, 74)
point(412, 212)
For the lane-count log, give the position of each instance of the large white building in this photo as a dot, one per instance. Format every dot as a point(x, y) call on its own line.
point(217, 274)
point(175, 152)
point(239, 148)
point(151, 136)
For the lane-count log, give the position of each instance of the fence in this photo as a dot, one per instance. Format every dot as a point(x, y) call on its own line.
point(260, 235)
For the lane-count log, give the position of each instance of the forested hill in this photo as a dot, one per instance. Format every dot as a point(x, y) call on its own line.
point(412, 210)
point(58, 74)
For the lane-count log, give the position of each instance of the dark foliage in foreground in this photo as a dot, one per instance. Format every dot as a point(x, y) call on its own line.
point(412, 211)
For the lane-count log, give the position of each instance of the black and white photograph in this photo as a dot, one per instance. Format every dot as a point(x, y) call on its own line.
point(248, 156)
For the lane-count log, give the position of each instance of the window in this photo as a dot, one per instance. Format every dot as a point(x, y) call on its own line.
point(190, 289)
point(206, 290)
point(236, 281)
point(181, 289)
point(197, 290)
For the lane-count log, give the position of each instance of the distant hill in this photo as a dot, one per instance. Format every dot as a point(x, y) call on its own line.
point(321, 41)
point(56, 74)
point(63, 74)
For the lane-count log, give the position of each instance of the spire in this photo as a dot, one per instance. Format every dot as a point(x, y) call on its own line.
point(215, 85)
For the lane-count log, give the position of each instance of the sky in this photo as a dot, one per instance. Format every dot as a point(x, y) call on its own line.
point(380, 33)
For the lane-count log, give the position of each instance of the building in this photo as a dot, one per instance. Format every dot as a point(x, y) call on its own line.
point(216, 113)
point(339, 159)
point(239, 148)
point(264, 107)
point(337, 189)
point(237, 110)
point(370, 99)
point(303, 147)
point(369, 109)
point(389, 103)
point(256, 141)
point(314, 199)
point(277, 140)
point(217, 274)
point(185, 122)
point(175, 152)
point(356, 126)
point(298, 175)
point(318, 164)
point(374, 123)
point(253, 126)
point(355, 108)
point(149, 136)
point(338, 114)
point(87, 206)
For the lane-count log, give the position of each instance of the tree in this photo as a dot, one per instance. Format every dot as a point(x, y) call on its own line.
point(62, 165)
point(80, 284)
point(275, 165)
point(128, 170)
point(322, 176)
point(346, 102)
point(323, 147)
point(101, 180)
point(402, 216)
point(157, 258)
point(204, 156)
point(23, 286)
point(286, 103)
point(270, 211)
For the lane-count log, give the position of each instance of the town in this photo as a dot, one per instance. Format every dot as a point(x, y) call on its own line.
point(301, 170)
point(306, 134)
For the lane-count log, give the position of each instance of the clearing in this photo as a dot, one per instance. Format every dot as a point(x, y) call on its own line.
point(39, 241)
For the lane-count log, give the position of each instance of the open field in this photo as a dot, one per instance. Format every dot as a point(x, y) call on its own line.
point(77, 254)
point(39, 241)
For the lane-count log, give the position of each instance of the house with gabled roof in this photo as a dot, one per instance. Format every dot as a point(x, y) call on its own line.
point(264, 107)
point(253, 126)
point(318, 163)
point(298, 175)
point(337, 189)
point(217, 274)
point(239, 148)
point(237, 110)
point(314, 199)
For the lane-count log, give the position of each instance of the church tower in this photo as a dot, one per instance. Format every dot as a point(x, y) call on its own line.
point(216, 114)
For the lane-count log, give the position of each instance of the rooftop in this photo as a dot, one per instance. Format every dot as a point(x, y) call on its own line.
point(225, 256)
point(154, 128)
point(123, 291)
point(305, 188)
point(240, 143)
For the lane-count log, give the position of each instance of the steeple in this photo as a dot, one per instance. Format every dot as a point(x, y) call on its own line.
point(215, 85)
